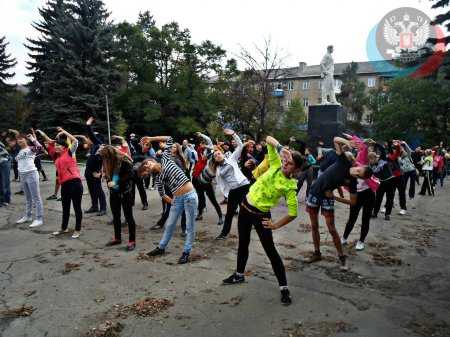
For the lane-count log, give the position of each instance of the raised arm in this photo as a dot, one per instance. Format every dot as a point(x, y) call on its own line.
point(44, 135)
point(94, 139)
point(339, 143)
point(73, 141)
point(240, 146)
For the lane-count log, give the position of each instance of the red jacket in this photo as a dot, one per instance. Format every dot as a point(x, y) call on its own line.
point(66, 164)
point(201, 163)
point(393, 157)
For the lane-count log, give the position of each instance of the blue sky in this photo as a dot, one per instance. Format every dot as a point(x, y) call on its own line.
point(302, 28)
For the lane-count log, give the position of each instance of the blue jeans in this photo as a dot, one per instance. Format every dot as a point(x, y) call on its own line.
point(30, 186)
point(187, 203)
point(5, 183)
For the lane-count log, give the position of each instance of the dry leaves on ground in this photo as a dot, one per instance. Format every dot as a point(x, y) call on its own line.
point(147, 307)
point(69, 267)
point(23, 311)
point(106, 329)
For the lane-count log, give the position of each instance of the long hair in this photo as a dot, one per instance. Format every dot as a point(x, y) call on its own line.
point(112, 159)
point(180, 155)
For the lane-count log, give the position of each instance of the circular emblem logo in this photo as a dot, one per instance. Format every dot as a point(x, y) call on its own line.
point(401, 39)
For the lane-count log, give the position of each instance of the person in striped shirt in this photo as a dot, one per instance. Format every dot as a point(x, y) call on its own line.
point(171, 179)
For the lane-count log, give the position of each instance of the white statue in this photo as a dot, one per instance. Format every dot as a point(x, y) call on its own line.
point(326, 73)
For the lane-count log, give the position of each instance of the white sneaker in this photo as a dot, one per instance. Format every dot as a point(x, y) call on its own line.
point(402, 212)
point(343, 241)
point(24, 220)
point(36, 223)
point(360, 245)
point(76, 235)
point(383, 210)
point(60, 232)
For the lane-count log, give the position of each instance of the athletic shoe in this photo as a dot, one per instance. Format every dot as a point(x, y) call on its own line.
point(220, 237)
point(156, 227)
point(360, 245)
point(387, 217)
point(52, 197)
point(152, 188)
point(402, 212)
point(101, 213)
point(60, 232)
point(58, 199)
point(19, 193)
point(383, 210)
point(234, 279)
point(344, 242)
point(183, 234)
point(199, 217)
point(374, 216)
point(76, 234)
point(24, 220)
point(343, 266)
point(144, 207)
point(286, 297)
point(113, 242)
point(91, 210)
point(45, 179)
point(184, 258)
point(220, 222)
point(36, 223)
point(156, 252)
point(131, 246)
point(316, 257)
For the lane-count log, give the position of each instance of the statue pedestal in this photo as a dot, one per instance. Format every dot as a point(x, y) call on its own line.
point(326, 122)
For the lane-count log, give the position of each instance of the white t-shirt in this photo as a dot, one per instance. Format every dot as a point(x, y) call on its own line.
point(25, 160)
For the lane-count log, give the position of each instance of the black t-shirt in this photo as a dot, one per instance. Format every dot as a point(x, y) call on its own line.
point(328, 159)
point(335, 176)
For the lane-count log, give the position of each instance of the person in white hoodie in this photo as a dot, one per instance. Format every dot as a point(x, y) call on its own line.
point(29, 178)
point(230, 180)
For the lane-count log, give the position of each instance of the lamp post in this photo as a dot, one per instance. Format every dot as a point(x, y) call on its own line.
point(107, 114)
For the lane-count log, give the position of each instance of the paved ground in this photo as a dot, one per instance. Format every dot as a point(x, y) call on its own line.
point(399, 286)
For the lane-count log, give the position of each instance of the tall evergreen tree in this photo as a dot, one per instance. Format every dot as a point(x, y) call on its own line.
point(7, 62)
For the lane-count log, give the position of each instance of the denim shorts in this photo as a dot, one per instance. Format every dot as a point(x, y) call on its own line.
point(313, 204)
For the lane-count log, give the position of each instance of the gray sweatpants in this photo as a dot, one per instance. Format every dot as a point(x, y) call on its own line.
point(30, 186)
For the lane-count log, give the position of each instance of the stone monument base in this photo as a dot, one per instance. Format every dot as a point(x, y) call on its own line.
point(325, 122)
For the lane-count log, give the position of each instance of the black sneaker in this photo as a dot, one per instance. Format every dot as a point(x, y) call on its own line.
point(374, 216)
point(101, 213)
point(220, 237)
point(52, 197)
point(387, 217)
point(286, 297)
point(184, 258)
point(145, 207)
point(19, 193)
point(183, 234)
point(343, 262)
point(234, 279)
point(91, 210)
point(199, 217)
point(156, 252)
point(316, 257)
point(220, 222)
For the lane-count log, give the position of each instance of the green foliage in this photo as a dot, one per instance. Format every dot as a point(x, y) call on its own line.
point(353, 96)
point(414, 108)
point(290, 121)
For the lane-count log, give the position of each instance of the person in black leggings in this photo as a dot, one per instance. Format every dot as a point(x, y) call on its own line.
point(118, 170)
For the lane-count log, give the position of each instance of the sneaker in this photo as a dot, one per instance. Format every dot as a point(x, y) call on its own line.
point(374, 216)
point(220, 222)
point(76, 234)
point(316, 257)
point(131, 246)
point(101, 213)
point(91, 210)
point(113, 242)
point(152, 188)
point(184, 258)
point(387, 217)
point(199, 217)
point(285, 297)
point(24, 220)
point(52, 197)
point(234, 279)
point(19, 193)
point(344, 242)
point(144, 207)
point(383, 210)
point(156, 252)
point(220, 237)
point(156, 227)
point(58, 199)
point(183, 234)
point(36, 223)
point(402, 212)
point(343, 260)
point(60, 232)
point(360, 245)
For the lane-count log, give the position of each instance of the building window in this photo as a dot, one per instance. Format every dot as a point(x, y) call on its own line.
point(305, 85)
point(305, 102)
point(371, 82)
point(290, 85)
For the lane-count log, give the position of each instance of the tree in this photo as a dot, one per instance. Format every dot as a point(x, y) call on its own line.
point(7, 91)
point(414, 108)
point(353, 95)
point(72, 66)
point(289, 125)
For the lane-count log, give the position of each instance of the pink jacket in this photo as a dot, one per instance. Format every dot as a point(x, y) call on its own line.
point(362, 160)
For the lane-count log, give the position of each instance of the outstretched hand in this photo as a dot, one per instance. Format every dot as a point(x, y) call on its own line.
point(228, 132)
point(90, 121)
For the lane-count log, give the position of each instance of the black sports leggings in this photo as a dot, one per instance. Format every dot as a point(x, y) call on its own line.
point(253, 218)
point(201, 189)
point(366, 201)
point(123, 201)
point(386, 187)
point(72, 192)
point(235, 197)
